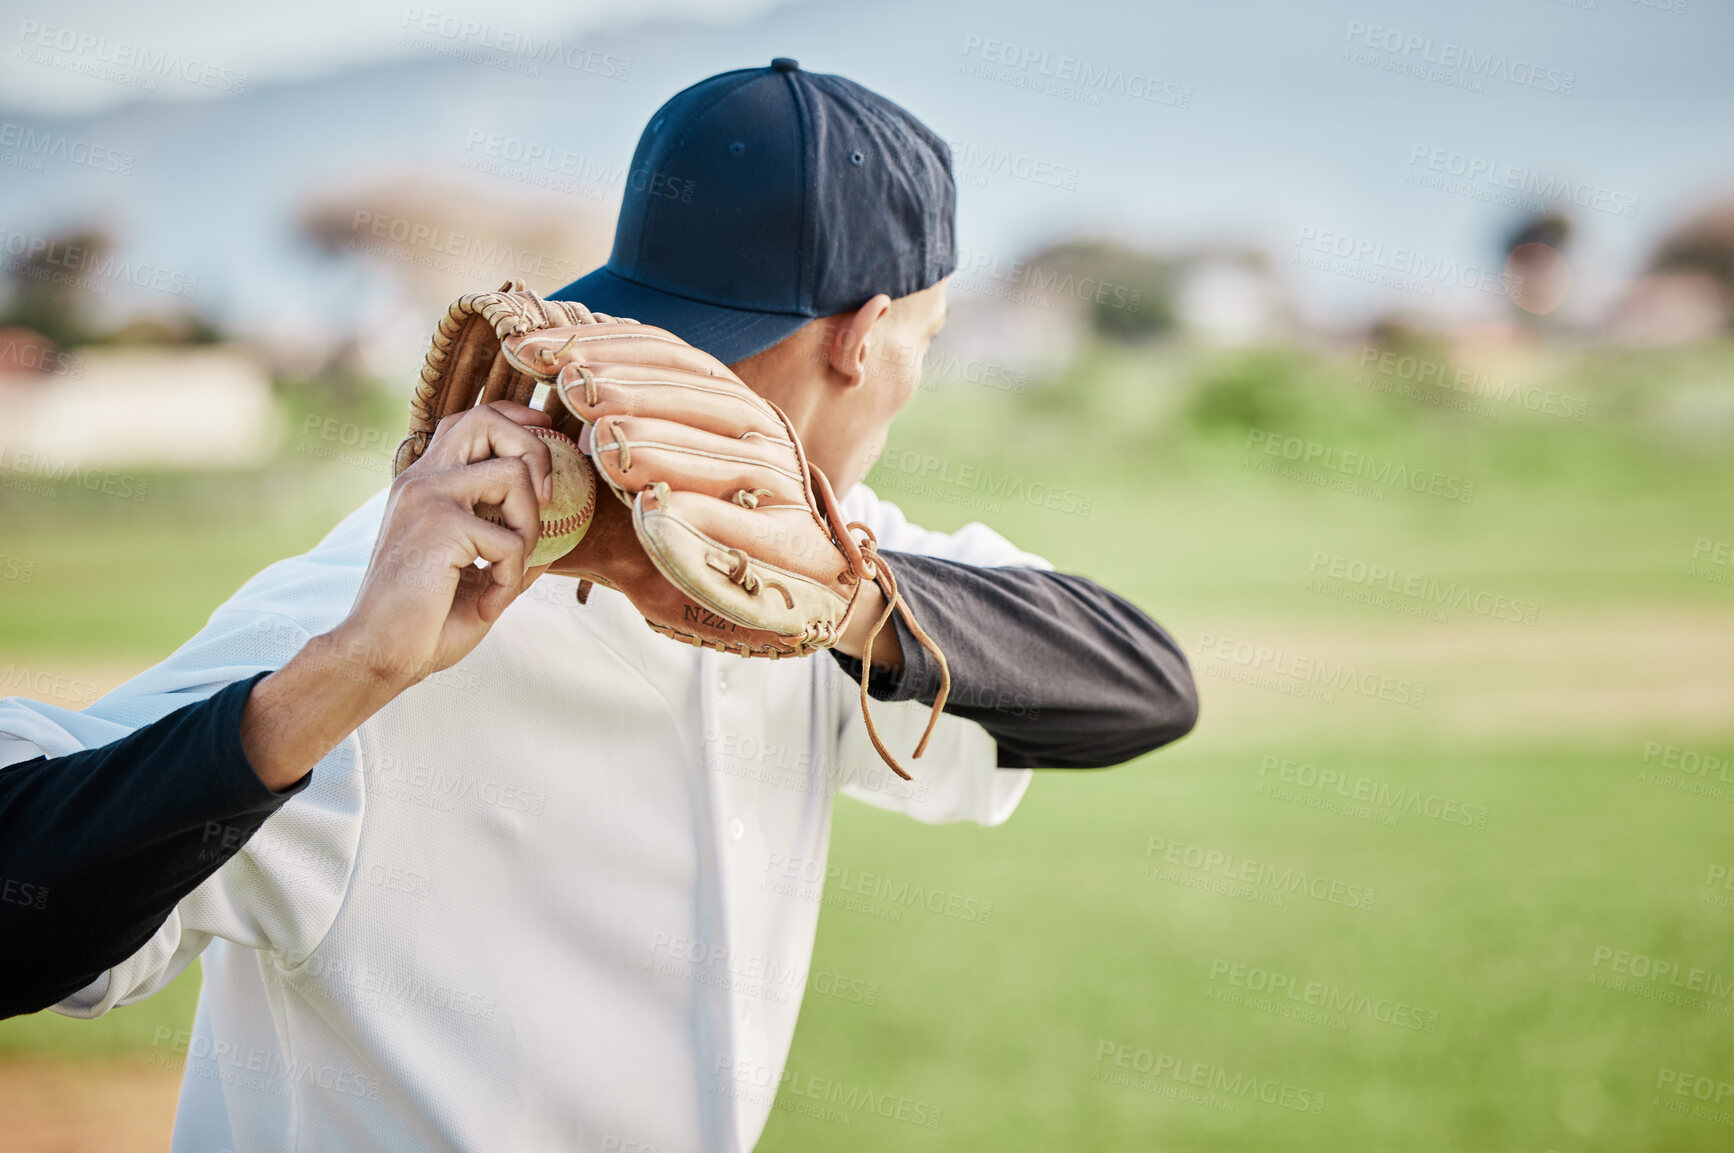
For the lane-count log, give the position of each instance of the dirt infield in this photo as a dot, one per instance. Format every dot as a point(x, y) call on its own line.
point(86, 1106)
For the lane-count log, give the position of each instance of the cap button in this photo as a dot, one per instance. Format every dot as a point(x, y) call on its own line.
point(785, 64)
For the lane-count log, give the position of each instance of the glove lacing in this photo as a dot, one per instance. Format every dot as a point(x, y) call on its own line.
point(873, 567)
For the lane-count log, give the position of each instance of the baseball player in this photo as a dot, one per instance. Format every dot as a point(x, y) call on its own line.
point(560, 895)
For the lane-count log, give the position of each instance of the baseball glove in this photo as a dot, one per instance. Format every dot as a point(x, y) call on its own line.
point(464, 367)
point(749, 550)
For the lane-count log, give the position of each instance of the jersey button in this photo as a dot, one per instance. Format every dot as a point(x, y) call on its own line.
point(737, 828)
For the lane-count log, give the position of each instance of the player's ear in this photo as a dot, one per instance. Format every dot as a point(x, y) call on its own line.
point(852, 338)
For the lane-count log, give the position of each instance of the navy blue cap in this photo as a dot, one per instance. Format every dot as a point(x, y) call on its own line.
point(762, 198)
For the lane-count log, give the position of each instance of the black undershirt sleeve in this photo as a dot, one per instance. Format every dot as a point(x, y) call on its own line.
point(96, 847)
point(1060, 671)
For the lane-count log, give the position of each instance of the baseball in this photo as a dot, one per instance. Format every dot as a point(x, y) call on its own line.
point(568, 512)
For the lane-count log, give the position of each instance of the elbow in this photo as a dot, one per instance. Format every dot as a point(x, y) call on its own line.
point(1165, 711)
point(1185, 717)
point(1173, 711)
point(1168, 710)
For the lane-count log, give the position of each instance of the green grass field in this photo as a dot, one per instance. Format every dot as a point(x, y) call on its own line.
point(1115, 999)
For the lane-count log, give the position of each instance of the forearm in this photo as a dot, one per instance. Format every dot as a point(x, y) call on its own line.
point(97, 847)
point(1062, 672)
point(300, 712)
point(858, 633)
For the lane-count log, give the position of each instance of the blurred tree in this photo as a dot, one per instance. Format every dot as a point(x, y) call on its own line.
point(1537, 274)
point(166, 328)
point(1128, 295)
point(50, 296)
point(46, 296)
point(1702, 245)
point(1257, 388)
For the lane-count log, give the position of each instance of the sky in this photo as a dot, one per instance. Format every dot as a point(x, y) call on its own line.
point(290, 41)
point(1353, 141)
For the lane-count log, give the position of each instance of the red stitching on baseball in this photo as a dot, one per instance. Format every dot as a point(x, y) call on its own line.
point(553, 528)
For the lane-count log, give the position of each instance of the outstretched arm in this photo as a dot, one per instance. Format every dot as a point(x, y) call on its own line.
point(1060, 671)
point(96, 847)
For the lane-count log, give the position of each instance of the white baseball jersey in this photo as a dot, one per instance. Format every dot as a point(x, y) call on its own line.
point(562, 895)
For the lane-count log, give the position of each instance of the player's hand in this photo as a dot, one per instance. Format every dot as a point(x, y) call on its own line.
point(424, 603)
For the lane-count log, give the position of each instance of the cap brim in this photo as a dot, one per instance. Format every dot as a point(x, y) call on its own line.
point(729, 334)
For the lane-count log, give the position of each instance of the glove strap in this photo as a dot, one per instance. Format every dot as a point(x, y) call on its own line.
point(877, 570)
point(867, 565)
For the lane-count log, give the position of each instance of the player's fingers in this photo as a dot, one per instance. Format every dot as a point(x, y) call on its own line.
point(502, 484)
point(433, 527)
point(501, 429)
point(505, 553)
point(521, 414)
point(592, 392)
point(490, 599)
point(635, 453)
point(545, 352)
